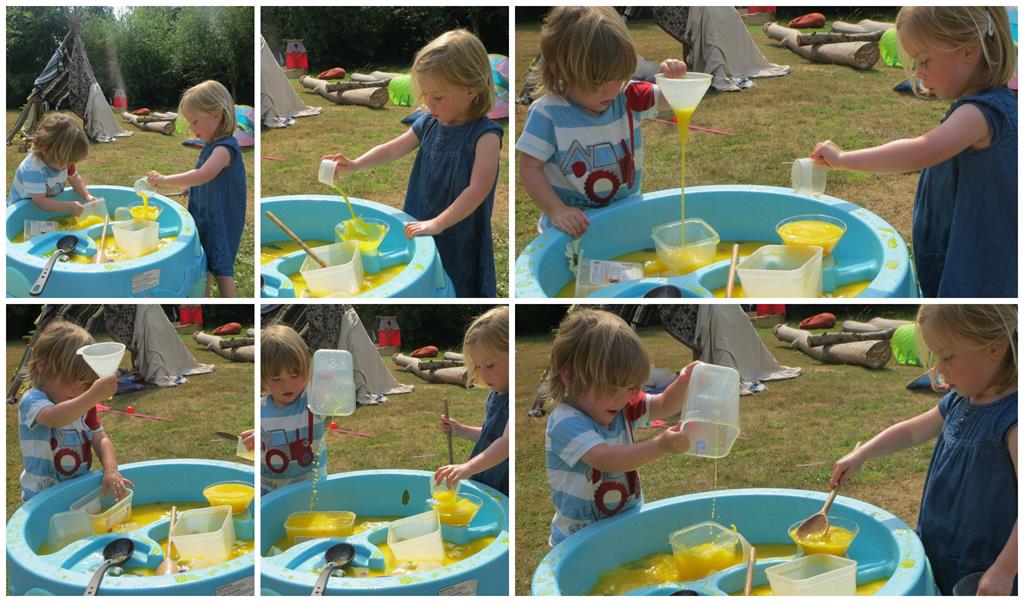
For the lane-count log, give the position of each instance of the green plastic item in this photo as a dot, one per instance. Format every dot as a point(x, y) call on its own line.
point(400, 91)
point(889, 46)
point(904, 345)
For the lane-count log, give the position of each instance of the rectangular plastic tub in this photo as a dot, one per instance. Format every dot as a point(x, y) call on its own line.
point(205, 534)
point(301, 526)
point(711, 414)
point(685, 247)
point(782, 271)
point(707, 548)
point(593, 274)
point(105, 511)
point(92, 213)
point(344, 274)
point(814, 575)
point(417, 538)
point(135, 237)
point(68, 527)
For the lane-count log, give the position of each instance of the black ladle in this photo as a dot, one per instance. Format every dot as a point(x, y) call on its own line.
point(337, 557)
point(665, 291)
point(65, 246)
point(115, 553)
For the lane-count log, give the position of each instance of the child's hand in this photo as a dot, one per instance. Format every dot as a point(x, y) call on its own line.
point(673, 68)
point(845, 467)
point(344, 163)
point(451, 426)
point(827, 153)
point(92, 199)
point(684, 374)
point(155, 178)
point(114, 482)
point(427, 228)
point(995, 582)
point(249, 439)
point(674, 441)
point(451, 474)
point(103, 388)
point(76, 208)
point(570, 220)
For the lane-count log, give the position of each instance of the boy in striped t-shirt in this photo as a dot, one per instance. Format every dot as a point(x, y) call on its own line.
point(582, 146)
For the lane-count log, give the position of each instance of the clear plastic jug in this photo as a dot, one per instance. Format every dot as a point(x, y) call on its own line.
point(332, 391)
point(711, 416)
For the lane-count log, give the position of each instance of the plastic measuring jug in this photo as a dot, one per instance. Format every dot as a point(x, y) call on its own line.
point(808, 177)
point(142, 186)
point(711, 415)
point(332, 392)
point(683, 92)
point(103, 358)
point(92, 213)
point(326, 173)
point(707, 548)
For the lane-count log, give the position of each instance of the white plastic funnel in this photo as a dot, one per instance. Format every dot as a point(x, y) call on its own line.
point(332, 391)
point(684, 92)
point(326, 173)
point(103, 358)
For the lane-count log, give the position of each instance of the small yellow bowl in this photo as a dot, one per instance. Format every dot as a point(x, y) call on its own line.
point(836, 541)
point(812, 230)
point(230, 493)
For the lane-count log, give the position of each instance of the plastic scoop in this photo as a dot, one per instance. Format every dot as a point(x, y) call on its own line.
point(65, 246)
point(684, 92)
point(115, 553)
point(103, 358)
point(337, 557)
point(296, 238)
point(169, 566)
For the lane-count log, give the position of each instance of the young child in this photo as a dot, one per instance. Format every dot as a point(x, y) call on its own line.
point(582, 145)
point(58, 144)
point(486, 351)
point(289, 430)
point(598, 365)
point(451, 188)
point(968, 516)
point(59, 426)
point(965, 210)
point(216, 194)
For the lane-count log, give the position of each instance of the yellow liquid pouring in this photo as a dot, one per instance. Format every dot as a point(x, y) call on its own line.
point(145, 212)
point(683, 117)
point(811, 232)
point(275, 250)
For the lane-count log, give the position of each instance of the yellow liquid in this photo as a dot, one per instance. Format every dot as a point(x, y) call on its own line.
point(312, 525)
point(313, 491)
point(111, 252)
point(683, 125)
point(453, 510)
point(366, 235)
point(89, 220)
point(707, 558)
point(835, 541)
point(236, 495)
point(271, 251)
point(868, 589)
point(811, 232)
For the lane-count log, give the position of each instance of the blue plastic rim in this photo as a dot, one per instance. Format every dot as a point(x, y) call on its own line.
point(885, 547)
point(67, 571)
point(382, 493)
point(177, 270)
point(313, 217)
point(870, 250)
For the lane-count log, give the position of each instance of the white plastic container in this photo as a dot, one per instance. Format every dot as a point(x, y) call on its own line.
point(105, 511)
point(708, 540)
point(68, 527)
point(326, 173)
point(417, 538)
point(593, 274)
point(782, 271)
point(93, 211)
point(684, 254)
point(205, 534)
point(711, 414)
point(808, 177)
point(343, 275)
point(103, 358)
point(814, 575)
point(332, 390)
point(136, 237)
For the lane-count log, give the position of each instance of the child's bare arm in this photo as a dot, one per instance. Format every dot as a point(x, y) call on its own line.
point(64, 413)
point(113, 481)
point(219, 159)
point(897, 437)
point(392, 150)
point(570, 220)
point(673, 68)
point(623, 458)
point(52, 205)
point(669, 403)
point(77, 183)
point(998, 579)
point(964, 129)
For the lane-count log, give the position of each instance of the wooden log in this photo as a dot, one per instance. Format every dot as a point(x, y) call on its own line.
point(164, 116)
point(819, 37)
point(216, 344)
point(384, 74)
point(240, 342)
point(833, 338)
point(163, 127)
point(451, 355)
point(345, 86)
point(451, 376)
point(368, 97)
point(862, 26)
point(438, 364)
point(872, 325)
point(859, 55)
point(870, 354)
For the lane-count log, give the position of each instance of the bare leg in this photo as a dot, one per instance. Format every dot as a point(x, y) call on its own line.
point(226, 284)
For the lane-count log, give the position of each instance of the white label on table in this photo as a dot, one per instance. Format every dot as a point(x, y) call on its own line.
point(466, 588)
point(145, 280)
point(243, 587)
point(610, 272)
point(35, 228)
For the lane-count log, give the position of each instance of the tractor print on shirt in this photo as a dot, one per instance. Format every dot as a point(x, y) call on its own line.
point(602, 169)
point(279, 452)
point(72, 451)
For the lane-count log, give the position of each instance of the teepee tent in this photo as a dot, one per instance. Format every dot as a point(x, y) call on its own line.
point(279, 102)
point(68, 82)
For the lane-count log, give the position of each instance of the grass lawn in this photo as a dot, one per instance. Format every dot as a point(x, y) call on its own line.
point(219, 401)
point(291, 157)
point(791, 436)
point(780, 119)
point(122, 162)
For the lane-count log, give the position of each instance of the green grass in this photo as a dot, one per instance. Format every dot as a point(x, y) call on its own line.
point(778, 120)
point(219, 401)
point(811, 420)
point(121, 163)
point(291, 157)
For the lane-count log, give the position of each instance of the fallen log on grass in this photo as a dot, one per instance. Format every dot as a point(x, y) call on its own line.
point(870, 354)
point(151, 125)
point(862, 26)
point(240, 342)
point(346, 86)
point(450, 376)
point(440, 364)
point(859, 55)
point(820, 37)
point(374, 98)
point(216, 344)
point(451, 355)
point(834, 338)
point(872, 325)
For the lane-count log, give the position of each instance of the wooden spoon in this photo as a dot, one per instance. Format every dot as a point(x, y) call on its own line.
point(732, 269)
point(297, 240)
point(818, 522)
point(169, 566)
point(750, 571)
point(103, 240)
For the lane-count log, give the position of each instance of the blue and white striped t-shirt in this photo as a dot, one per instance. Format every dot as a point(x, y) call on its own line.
point(582, 494)
point(33, 176)
point(52, 455)
point(590, 160)
point(289, 437)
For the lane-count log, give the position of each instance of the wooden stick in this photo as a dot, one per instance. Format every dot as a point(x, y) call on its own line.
point(103, 240)
point(750, 571)
point(732, 269)
point(297, 240)
point(451, 452)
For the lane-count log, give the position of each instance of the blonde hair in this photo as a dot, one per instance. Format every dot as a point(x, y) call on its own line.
point(459, 58)
point(213, 98)
point(963, 27)
point(55, 355)
point(282, 351)
point(60, 139)
point(596, 350)
point(489, 332)
point(978, 325)
point(584, 46)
